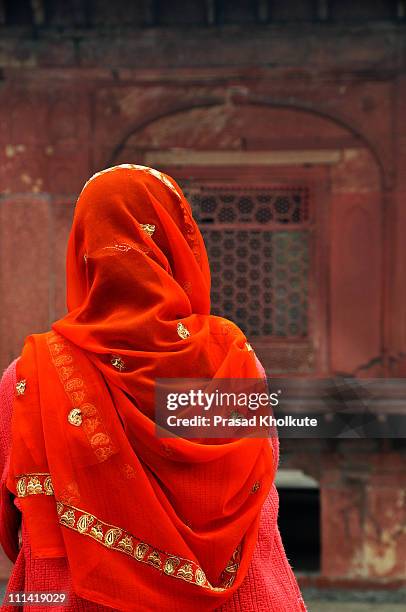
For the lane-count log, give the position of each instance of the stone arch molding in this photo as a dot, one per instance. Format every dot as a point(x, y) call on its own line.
point(355, 180)
point(250, 124)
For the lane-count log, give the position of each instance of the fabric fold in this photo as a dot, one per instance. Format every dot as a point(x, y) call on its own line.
point(94, 481)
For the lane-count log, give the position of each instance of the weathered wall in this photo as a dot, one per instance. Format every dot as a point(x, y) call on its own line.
point(72, 102)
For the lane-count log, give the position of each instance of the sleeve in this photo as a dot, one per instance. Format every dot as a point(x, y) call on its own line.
point(10, 517)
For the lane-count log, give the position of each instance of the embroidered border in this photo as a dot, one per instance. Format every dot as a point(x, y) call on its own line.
point(152, 171)
point(119, 539)
point(38, 483)
point(123, 541)
point(75, 388)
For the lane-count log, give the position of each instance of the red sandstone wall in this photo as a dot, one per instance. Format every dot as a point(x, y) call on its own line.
point(72, 103)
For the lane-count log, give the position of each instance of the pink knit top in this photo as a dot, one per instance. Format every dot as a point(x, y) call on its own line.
point(270, 585)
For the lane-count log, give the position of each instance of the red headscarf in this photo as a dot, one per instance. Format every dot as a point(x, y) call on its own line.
point(146, 523)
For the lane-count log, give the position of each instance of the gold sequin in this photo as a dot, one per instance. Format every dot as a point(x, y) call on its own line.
point(20, 386)
point(85, 258)
point(248, 346)
point(75, 417)
point(255, 487)
point(148, 228)
point(183, 331)
point(118, 363)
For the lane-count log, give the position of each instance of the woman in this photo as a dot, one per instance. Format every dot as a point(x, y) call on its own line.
point(112, 514)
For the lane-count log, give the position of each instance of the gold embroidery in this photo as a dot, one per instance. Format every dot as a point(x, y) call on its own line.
point(57, 347)
point(21, 487)
point(229, 582)
point(171, 564)
point(73, 383)
point(103, 453)
point(152, 171)
point(141, 550)
point(66, 372)
point(88, 410)
point(124, 248)
point(84, 522)
point(163, 178)
point(148, 228)
point(34, 486)
point(112, 536)
point(77, 397)
point(185, 572)
point(187, 287)
point(183, 331)
point(128, 471)
point(48, 487)
point(200, 576)
point(155, 559)
point(68, 518)
point(97, 531)
point(70, 494)
point(76, 390)
point(229, 574)
point(20, 386)
point(233, 564)
point(62, 360)
point(117, 362)
point(248, 346)
point(79, 520)
point(255, 487)
point(99, 439)
point(75, 417)
point(126, 544)
point(91, 425)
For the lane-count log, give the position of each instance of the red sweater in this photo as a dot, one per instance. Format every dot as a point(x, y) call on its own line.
point(270, 585)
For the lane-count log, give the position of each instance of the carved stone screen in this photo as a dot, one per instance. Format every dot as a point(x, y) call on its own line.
point(258, 243)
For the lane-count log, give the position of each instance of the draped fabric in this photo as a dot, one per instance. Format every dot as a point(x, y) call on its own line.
point(146, 523)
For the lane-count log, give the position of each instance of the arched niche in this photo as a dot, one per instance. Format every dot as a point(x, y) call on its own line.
point(251, 145)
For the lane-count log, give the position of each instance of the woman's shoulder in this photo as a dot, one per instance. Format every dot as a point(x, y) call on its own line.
point(7, 386)
point(8, 381)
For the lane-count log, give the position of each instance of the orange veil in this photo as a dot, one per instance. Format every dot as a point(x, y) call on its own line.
point(145, 523)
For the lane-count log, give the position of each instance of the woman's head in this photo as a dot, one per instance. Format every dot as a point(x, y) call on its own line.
point(127, 209)
point(138, 285)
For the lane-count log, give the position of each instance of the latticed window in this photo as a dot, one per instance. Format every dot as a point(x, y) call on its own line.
point(258, 243)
